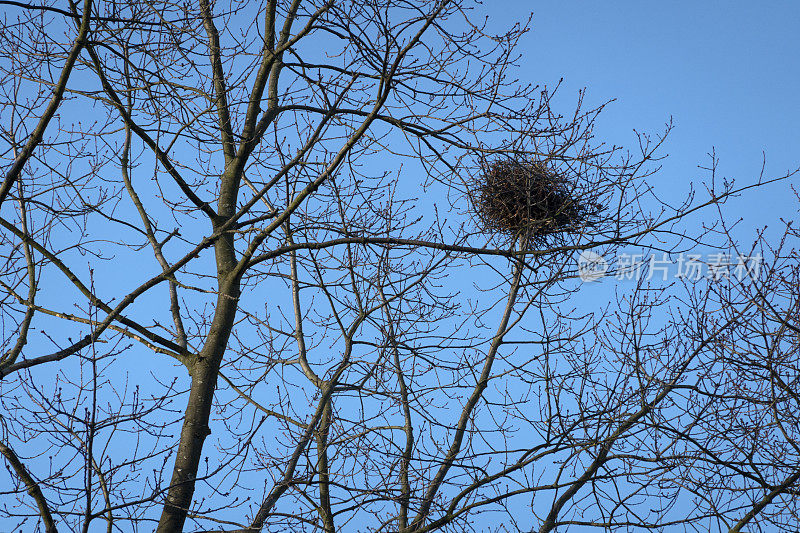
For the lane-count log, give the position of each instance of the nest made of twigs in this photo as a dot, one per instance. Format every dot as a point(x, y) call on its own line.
point(528, 199)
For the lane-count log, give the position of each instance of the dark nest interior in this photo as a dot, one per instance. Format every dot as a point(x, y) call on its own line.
point(529, 200)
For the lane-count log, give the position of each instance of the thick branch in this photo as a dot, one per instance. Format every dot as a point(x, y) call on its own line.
point(55, 101)
point(31, 485)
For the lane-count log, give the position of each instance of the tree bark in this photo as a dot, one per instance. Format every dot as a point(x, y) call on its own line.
point(198, 411)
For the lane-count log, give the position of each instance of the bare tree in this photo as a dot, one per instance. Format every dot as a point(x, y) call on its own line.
point(308, 265)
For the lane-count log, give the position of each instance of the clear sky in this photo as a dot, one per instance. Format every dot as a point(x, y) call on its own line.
point(726, 72)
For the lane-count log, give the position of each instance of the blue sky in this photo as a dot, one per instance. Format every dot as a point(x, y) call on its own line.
point(726, 72)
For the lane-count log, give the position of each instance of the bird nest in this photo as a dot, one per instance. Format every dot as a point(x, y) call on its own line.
point(529, 200)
